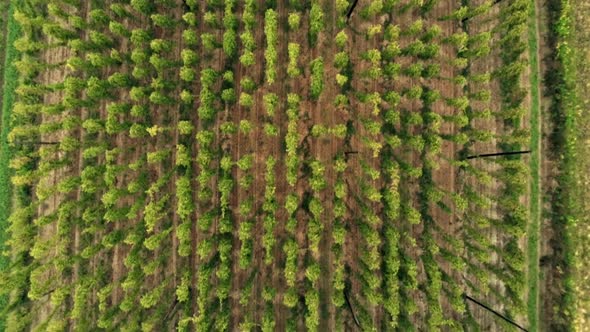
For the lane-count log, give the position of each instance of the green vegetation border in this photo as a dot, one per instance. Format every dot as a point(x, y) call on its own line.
point(10, 84)
point(567, 202)
point(571, 201)
point(533, 230)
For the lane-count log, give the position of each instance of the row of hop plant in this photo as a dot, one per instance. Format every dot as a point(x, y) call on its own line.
point(117, 124)
point(158, 68)
point(89, 174)
point(512, 29)
point(470, 203)
point(246, 210)
point(290, 246)
point(64, 120)
point(98, 89)
point(428, 145)
point(575, 246)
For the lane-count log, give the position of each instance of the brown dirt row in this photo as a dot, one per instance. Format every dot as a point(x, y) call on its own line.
point(549, 276)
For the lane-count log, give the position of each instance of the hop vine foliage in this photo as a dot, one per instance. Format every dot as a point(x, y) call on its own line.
point(162, 173)
point(317, 78)
point(316, 21)
point(270, 53)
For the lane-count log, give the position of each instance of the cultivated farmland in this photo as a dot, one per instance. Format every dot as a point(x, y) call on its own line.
point(288, 165)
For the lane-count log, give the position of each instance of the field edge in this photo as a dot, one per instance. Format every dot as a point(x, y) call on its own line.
point(9, 76)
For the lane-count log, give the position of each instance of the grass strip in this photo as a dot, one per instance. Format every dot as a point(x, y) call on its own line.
point(10, 75)
point(533, 229)
point(580, 235)
point(569, 201)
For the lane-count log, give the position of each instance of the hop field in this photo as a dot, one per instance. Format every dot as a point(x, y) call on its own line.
point(268, 165)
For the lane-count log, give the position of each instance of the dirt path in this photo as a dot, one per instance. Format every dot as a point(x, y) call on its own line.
point(546, 169)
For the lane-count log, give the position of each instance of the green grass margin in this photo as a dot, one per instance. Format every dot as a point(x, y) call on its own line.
point(10, 83)
point(533, 229)
point(569, 201)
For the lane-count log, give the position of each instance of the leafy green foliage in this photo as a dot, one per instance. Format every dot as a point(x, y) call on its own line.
point(317, 77)
point(270, 53)
point(316, 21)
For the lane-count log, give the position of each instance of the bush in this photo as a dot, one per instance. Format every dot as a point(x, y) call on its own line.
point(294, 21)
point(316, 22)
point(270, 53)
point(230, 46)
point(292, 68)
point(317, 77)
